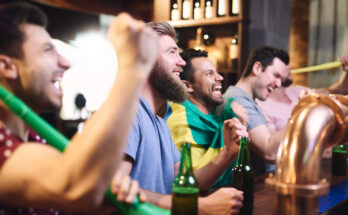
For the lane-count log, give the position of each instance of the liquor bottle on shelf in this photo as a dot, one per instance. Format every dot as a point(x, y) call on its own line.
point(243, 177)
point(174, 12)
point(185, 186)
point(234, 52)
point(234, 7)
point(208, 12)
point(339, 160)
point(185, 9)
point(199, 45)
point(196, 9)
point(221, 8)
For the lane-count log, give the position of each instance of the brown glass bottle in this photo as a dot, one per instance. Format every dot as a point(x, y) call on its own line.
point(339, 160)
point(243, 177)
point(185, 187)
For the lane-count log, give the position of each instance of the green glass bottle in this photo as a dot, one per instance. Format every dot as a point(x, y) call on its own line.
point(339, 160)
point(243, 177)
point(185, 186)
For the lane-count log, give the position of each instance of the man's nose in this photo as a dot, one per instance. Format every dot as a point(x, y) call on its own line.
point(181, 61)
point(219, 77)
point(64, 62)
point(279, 82)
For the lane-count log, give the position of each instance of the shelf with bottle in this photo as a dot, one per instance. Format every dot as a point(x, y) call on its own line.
point(187, 13)
point(226, 30)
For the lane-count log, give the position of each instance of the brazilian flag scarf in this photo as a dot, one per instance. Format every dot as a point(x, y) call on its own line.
point(203, 131)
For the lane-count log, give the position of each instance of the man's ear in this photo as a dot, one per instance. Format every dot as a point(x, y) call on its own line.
point(188, 86)
point(257, 68)
point(8, 69)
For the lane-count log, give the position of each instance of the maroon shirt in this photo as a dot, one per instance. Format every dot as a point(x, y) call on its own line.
point(8, 144)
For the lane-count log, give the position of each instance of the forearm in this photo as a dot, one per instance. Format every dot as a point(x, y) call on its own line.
point(273, 145)
point(340, 87)
point(160, 200)
point(93, 156)
point(210, 173)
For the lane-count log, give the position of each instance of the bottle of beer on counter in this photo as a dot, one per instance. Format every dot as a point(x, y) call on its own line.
point(185, 186)
point(339, 160)
point(243, 177)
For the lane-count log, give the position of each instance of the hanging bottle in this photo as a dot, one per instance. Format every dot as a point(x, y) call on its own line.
point(174, 11)
point(243, 177)
point(234, 7)
point(185, 187)
point(221, 8)
point(186, 9)
point(196, 9)
point(208, 12)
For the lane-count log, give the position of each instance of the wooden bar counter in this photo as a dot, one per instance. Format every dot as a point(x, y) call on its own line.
point(264, 199)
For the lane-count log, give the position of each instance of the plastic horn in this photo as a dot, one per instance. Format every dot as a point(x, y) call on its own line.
point(324, 66)
point(60, 142)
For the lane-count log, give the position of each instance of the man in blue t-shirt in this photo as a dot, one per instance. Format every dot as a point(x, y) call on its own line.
point(151, 156)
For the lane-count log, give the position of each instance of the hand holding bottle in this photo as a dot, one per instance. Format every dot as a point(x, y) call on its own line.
point(233, 131)
point(226, 200)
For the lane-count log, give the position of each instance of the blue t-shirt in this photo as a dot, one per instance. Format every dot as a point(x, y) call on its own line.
point(152, 149)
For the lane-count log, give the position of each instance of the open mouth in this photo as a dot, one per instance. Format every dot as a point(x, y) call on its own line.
point(217, 90)
point(177, 75)
point(270, 89)
point(57, 86)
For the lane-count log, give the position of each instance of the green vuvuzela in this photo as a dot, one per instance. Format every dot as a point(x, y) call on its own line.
point(60, 142)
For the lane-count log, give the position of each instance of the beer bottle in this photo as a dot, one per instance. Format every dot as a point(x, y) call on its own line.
point(339, 159)
point(243, 177)
point(185, 187)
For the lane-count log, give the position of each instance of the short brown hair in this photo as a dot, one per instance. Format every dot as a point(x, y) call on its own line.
point(265, 55)
point(162, 28)
point(12, 16)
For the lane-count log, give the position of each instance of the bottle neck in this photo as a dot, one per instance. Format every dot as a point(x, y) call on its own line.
point(186, 162)
point(243, 153)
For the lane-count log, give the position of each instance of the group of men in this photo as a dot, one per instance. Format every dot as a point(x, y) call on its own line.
point(146, 147)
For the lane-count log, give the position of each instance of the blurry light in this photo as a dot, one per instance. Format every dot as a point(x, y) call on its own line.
point(94, 67)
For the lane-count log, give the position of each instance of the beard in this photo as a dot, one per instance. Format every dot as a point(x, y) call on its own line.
point(207, 99)
point(170, 88)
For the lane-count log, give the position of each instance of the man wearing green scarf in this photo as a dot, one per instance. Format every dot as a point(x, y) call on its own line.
point(193, 121)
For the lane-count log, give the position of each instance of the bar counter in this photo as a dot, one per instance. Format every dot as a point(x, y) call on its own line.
point(264, 199)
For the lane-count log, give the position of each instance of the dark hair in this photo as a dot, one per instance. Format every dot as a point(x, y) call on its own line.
point(12, 16)
point(265, 56)
point(162, 28)
point(187, 55)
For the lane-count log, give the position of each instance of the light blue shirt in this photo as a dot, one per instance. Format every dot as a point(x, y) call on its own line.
point(153, 151)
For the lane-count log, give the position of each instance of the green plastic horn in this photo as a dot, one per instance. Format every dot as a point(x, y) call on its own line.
point(59, 141)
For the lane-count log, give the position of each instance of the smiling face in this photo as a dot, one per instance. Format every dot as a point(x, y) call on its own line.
point(40, 70)
point(269, 78)
point(207, 83)
point(165, 76)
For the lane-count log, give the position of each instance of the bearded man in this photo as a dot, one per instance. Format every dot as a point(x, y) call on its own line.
point(151, 157)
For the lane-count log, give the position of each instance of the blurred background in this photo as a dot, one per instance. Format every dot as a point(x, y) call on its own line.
point(313, 31)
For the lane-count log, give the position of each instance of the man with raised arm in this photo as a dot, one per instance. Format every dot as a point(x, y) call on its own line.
point(36, 177)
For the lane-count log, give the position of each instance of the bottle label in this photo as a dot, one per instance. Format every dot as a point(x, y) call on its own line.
point(185, 190)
